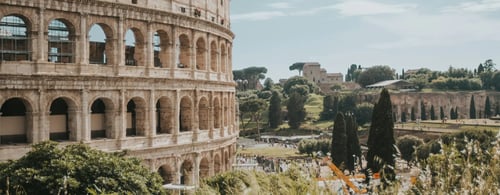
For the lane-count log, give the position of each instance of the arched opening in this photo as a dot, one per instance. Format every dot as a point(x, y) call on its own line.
point(186, 114)
point(161, 49)
point(187, 173)
point(184, 52)
point(217, 113)
point(164, 116)
point(217, 164)
point(213, 56)
point(134, 48)
point(101, 44)
point(167, 174)
point(201, 54)
point(15, 121)
point(136, 117)
point(223, 58)
point(101, 119)
point(61, 42)
point(204, 168)
point(62, 120)
point(14, 39)
point(203, 114)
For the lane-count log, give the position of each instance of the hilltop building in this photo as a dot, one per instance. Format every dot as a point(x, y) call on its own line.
point(314, 73)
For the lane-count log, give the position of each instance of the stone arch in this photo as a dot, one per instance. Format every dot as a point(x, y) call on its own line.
point(186, 171)
point(136, 117)
point(167, 173)
point(134, 47)
point(203, 113)
point(15, 44)
point(161, 49)
point(217, 113)
point(230, 61)
point(213, 56)
point(223, 58)
point(164, 116)
point(186, 114)
point(16, 116)
point(101, 44)
point(204, 168)
point(217, 164)
point(102, 115)
point(201, 54)
point(184, 45)
point(61, 41)
point(63, 119)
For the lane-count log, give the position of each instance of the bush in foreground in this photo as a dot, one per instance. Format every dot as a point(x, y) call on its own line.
point(76, 169)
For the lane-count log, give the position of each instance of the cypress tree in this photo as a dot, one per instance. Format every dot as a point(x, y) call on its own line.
point(275, 110)
point(412, 114)
point(487, 108)
point(433, 114)
point(353, 147)
point(339, 142)
point(296, 110)
point(381, 138)
point(441, 113)
point(472, 109)
point(423, 115)
point(452, 114)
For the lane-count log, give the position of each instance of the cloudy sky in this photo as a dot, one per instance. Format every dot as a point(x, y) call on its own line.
point(405, 34)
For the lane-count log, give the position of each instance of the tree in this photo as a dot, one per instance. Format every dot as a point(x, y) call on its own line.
point(407, 145)
point(299, 66)
point(375, 74)
point(339, 142)
point(433, 113)
point(330, 105)
point(347, 103)
point(441, 113)
point(496, 81)
point(423, 114)
point(489, 66)
point(296, 110)
point(480, 69)
point(353, 148)
point(268, 84)
point(364, 113)
point(275, 110)
point(403, 117)
point(253, 107)
point(452, 114)
point(487, 108)
point(472, 109)
point(412, 114)
point(381, 151)
point(351, 73)
point(251, 74)
point(76, 169)
point(456, 113)
point(298, 80)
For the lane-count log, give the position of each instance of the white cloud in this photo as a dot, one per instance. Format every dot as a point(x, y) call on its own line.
point(280, 5)
point(257, 16)
point(475, 6)
point(415, 30)
point(368, 7)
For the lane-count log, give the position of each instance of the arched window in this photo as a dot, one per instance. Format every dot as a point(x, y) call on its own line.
point(201, 54)
point(14, 121)
point(162, 50)
point(100, 44)
point(61, 42)
point(213, 56)
point(14, 39)
point(184, 52)
point(185, 117)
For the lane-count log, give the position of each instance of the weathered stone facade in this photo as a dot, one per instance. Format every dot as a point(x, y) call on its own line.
point(168, 99)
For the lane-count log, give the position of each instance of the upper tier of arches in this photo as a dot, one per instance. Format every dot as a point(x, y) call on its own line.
point(71, 43)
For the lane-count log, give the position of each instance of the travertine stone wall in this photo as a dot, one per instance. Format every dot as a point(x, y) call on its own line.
point(180, 118)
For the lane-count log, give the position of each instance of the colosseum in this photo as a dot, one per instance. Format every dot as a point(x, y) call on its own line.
point(153, 77)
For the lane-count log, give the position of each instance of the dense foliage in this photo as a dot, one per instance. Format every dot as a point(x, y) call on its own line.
point(76, 169)
point(375, 74)
point(274, 114)
point(310, 146)
point(296, 110)
point(381, 143)
point(339, 142)
point(407, 145)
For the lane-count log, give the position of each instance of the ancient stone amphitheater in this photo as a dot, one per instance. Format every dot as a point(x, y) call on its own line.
point(153, 77)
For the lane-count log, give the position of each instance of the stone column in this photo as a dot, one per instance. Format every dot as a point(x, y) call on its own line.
point(43, 129)
point(196, 171)
point(82, 48)
point(85, 110)
point(195, 123)
point(211, 115)
point(149, 55)
point(33, 121)
point(121, 130)
point(174, 54)
point(119, 51)
point(152, 118)
point(176, 125)
point(41, 43)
